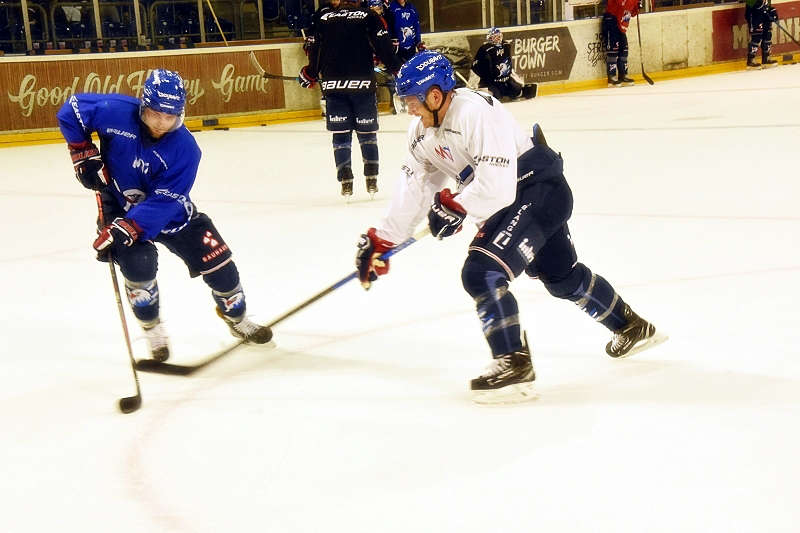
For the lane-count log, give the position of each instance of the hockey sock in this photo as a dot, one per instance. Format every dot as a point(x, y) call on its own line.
point(342, 142)
point(611, 64)
point(622, 65)
point(592, 293)
point(227, 290)
point(143, 297)
point(369, 152)
point(497, 308)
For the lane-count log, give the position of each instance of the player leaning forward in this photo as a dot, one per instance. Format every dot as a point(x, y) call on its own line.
point(144, 170)
point(513, 188)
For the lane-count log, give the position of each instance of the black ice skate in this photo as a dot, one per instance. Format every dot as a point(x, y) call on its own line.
point(509, 379)
point(635, 336)
point(157, 340)
point(766, 62)
point(345, 177)
point(246, 329)
point(372, 185)
point(751, 63)
point(614, 83)
point(626, 81)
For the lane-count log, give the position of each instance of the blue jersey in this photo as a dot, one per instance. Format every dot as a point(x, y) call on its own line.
point(405, 24)
point(151, 179)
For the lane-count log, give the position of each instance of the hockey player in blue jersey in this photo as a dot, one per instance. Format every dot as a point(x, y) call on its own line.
point(144, 170)
point(404, 25)
point(512, 187)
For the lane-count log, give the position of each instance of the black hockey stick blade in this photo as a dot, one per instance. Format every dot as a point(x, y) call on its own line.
point(647, 78)
point(130, 404)
point(158, 367)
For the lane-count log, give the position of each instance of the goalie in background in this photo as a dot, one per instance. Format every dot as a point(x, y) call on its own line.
point(493, 66)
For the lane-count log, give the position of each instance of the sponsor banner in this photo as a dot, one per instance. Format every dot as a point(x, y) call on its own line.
point(216, 84)
point(731, 37)
point(537, 55)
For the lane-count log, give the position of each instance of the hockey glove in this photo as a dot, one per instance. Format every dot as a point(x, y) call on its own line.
point(396, 45)
point(772, 14)
point(421, 46)
point(89, 167)
point(122, 230)
point(446, 215)
point(370, 247)
point(306, 80)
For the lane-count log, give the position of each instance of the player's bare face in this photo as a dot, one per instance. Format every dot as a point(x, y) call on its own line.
point(158, 123)
point(433, 100)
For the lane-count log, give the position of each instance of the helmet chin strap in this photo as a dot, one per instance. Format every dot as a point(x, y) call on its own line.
point(436, 111)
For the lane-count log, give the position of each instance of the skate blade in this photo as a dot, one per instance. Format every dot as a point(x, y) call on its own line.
point(516, 393)
point(648, 343)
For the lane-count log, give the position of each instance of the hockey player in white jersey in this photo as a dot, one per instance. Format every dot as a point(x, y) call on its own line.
point(512, 187)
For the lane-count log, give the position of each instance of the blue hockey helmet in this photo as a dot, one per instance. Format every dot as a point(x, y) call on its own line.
point(375, 3)
point(495, 35)
point(163, 91)
point(423, 71)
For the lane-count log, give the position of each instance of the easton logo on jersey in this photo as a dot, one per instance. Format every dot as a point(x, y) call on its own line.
point(444, 152)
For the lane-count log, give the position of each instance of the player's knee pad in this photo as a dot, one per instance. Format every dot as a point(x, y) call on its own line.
point(226, 290)
point(571, 286)
point(482, 276)
point(342, 139)
point(138, 262)
point(143, 297)
point(224, 279)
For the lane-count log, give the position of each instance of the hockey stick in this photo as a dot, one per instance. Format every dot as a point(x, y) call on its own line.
point(128, 404)
point(224, 40)
point(151, 365)
point(784, 30)
point(264, 74)
point(647, 78)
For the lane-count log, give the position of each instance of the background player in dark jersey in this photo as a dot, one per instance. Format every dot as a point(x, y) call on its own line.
point(341, 54)
point(404, 26)
point(615, 26)
point(144, 170)
point(760, 15)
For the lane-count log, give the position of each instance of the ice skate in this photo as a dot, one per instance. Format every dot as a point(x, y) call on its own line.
point(614, 83)
point(766, 62)
point(372, 186)
point(625, 81)
point(751, 63)
point(635, 336)
point(345, 177)
point(246, 329)
point(157, 340)
point(509, 379)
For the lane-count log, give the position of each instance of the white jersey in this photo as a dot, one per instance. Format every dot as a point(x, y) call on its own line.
point(477, 145)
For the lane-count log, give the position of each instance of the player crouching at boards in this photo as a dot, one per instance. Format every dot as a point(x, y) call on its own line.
point(513, 188)
point(144, 172)
point(493, 66)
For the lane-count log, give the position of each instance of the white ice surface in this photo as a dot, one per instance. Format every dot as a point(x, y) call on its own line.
point(359, 420)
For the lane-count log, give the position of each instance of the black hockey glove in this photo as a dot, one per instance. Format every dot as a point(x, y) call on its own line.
point(306, 80)
point(89, 168)
point(446, 215)
point(772, 14)
point(370, 248)
point(122, 230)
